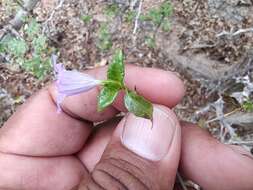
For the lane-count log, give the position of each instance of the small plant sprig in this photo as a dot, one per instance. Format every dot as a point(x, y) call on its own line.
point(104, 38)
point(73, 82)
point(248, 105)
point(134, 103)
point(160, 16)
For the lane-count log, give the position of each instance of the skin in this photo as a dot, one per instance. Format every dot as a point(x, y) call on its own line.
point(43, 150)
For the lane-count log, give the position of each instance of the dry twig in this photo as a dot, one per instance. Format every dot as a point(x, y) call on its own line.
point(248, 143)
point(181, 182)
point(223, 116)
point(136, 23)
point(233, 34)
point(17, 22)
point(46, 23)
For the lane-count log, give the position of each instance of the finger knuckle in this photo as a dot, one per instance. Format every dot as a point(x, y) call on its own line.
point(119, 174)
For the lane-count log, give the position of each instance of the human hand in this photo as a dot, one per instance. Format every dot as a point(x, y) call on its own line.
point(43, 150)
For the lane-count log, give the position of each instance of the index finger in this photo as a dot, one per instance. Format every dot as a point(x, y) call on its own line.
point(37, 130)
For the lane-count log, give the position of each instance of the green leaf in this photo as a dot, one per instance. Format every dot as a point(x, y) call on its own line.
point(17, 47)
point(116, 70)
point(104, 38)
point(158, 14)
point(166, 25)
point(2, 49)
point(248, 106)
point(166, 8)
point(112, 10)
point(107, 95)
point(39, 43)
point(86, 18)
point(38, 66)
point(129, 16)
point(138, 105)
point(32, 29)
point(150, 42)
point(155, 16)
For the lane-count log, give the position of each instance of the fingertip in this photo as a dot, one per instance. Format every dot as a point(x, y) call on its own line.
point(156, 85)
point(172, 87)
point(162, 87)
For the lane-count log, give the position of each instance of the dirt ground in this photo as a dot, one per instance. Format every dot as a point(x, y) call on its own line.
point(210, 45)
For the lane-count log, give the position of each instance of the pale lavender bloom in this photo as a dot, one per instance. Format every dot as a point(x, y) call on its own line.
point(70, 83)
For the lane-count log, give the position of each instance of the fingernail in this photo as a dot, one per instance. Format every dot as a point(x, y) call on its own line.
point(149, 139)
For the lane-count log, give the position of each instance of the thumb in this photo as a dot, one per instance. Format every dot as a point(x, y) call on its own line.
point(142, 154)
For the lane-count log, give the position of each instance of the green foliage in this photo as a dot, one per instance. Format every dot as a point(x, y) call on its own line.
point(138, 105)
point(166, 8)
point(154, 15)
point(107, 95)
point(39, 44)
point(158, 15)
point(3, 43)
point(104, 38)
point(112, 10)
point(38, 66)
point(32, 52)
point(86, 18)
point(16, 47)
point(248, 106)
point(116, 70)
point(129, 16)
point(114, 83)
point(166, 25)
point(150, 42)
point(1, 47)
point(32, 29)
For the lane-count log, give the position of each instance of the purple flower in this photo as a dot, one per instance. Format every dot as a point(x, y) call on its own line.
point(70, 83)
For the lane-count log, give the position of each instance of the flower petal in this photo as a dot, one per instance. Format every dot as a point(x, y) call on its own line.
point(71, 82)
point(59, 100)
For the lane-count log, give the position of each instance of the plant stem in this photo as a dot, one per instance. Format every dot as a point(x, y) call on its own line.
point(105, 82)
